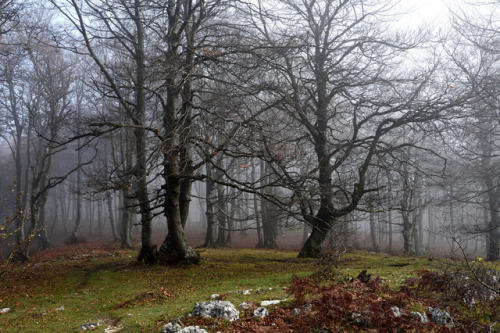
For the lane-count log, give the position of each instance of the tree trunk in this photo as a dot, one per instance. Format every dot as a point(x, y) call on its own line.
point(109, 201)
point(313, 245)
point(46, 244)
point(373, 233)
point(126, 220)
point(209, 192)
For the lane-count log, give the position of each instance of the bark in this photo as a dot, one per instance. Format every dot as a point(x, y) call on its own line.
point(109, 202)
point(46, 244)
point(374, 233)
point(209, 193)
point(126, 221)
point(313, 245)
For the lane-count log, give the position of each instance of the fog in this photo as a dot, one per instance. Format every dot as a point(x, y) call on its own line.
point(310, 126)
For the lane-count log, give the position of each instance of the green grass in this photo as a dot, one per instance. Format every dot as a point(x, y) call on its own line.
point(114, 290)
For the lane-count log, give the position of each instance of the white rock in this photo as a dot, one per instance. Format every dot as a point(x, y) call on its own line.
point(192, 329)
point(260, 312)
point(267, 303)
point(295, 312)
point(171, 327)
point(5, 310)
point(396, 311)
point(441, 317)
point(88, 326)
point(214, 296)
point(422, 317)
point(246, 292)
point(60, 309)
point(216, 309)
point(244, 306)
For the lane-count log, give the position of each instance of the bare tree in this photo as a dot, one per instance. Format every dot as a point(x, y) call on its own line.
point(336, 70)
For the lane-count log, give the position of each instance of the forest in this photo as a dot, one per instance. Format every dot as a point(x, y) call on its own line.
point(320, 119)
point(166, 134)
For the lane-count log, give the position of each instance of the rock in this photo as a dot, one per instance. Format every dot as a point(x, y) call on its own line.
point(267, 303)
point(441, 317)
point(216, 309)
point(244, 306)
point(260, 312)
point(192, 329)
point(422, 317)
point(60, 309)
point(246, 292)
point(295, 312)
point(214, 296)
point(88, 326)
point(308, 307)
point(396, 311)
point(356, 318)
point(171, 327)
point(5, 310)
point(113, 329)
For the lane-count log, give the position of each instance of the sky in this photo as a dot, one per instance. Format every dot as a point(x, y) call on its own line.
point(429, 12)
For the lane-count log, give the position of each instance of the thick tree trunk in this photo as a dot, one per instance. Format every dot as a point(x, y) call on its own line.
point(313, 246)
point(175, 248)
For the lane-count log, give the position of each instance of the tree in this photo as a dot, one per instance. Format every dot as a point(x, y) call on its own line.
point(474, 52)
point(336, 70)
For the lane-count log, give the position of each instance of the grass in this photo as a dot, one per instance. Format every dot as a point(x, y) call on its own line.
point(109, 287)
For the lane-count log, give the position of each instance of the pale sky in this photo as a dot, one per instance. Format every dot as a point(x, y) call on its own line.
point(428, 12)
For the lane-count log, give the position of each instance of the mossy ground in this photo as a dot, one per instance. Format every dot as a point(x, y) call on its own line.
point(109, 287)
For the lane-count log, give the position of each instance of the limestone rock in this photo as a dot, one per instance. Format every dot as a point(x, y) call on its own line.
point(422, 317)
point(172, 327)
point(295, 312)
point(261, 312)
point(192, 329)
point(88, 326)
point(267, 303)
point(216, 309)
point(396, 311)
point(5, 310)
point(441, 317)
point(244, 306)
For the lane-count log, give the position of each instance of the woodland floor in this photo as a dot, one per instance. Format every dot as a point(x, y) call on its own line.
point(65, 287)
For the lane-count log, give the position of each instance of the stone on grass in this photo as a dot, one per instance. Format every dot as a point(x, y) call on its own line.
point(246, 292)
point(60, 309)
point(88, 326)
point(244, 306)
point(267, 303)
point(216, 309)
point(422, 317)
point(192, 329)
point(396, 311)
point(261, 312)
point(441, 317)
point(214, 296)
point(172, 327)
point(295, 312)
point(5, 310)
